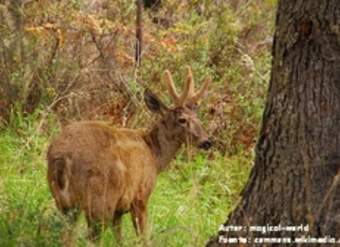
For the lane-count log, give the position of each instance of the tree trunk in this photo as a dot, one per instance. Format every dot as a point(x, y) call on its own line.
point(295, 179)
point(152, 4)
point(139, 32)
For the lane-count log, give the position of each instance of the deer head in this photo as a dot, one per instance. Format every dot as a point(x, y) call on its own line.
point(181, 122)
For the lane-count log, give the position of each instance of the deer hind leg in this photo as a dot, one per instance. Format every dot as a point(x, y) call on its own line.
point(99, 213)
point(117, 226)
point(97, 217)
point(100, 205)
point(95, 228)
point(71, 216)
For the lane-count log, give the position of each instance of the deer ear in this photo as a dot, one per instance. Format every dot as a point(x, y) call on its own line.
point(153, 102)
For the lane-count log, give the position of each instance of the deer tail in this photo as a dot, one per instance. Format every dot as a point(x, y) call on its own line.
point(59, 176)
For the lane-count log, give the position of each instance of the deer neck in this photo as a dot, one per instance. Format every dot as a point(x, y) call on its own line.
point(164, 143)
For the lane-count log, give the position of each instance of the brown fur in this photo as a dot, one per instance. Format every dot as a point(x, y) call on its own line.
point(107, 172)
point(105, 169)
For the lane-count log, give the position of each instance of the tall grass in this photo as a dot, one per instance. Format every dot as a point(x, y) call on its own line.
point(190, 201)
point(81, 61)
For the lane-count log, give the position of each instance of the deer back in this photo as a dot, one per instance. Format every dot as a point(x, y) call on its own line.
point(92, 165)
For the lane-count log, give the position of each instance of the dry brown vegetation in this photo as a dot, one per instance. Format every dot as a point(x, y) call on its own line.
point(69, 59)
point(76, 58)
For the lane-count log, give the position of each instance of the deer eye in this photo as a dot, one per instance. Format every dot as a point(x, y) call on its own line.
point(182, 120)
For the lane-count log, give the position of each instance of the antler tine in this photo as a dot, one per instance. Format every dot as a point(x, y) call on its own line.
point(188, 95)
point(201, 91)
point(171, 86)
point(188, 90)
point(190, 81)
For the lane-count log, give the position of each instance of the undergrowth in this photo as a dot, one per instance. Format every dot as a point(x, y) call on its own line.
point(189, 203)
point(58, 67)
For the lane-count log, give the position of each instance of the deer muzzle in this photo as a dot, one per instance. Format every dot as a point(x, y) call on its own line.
point(206, 144)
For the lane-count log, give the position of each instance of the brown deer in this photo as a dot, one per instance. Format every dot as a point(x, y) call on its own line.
point(107, 171)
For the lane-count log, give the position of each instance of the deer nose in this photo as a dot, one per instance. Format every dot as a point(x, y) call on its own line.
point(205, 144)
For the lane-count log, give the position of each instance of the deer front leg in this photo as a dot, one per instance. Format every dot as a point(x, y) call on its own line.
point(139, 217)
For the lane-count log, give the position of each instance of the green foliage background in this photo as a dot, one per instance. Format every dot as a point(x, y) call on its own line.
point(58, 67)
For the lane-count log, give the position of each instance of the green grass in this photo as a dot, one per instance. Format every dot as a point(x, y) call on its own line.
point(194, 196)
point(189, 203)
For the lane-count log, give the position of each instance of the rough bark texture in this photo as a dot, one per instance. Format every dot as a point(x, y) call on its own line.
point(295, 179)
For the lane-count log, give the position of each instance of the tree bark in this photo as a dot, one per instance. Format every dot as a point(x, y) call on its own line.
point(295, 178)
point(152, 4)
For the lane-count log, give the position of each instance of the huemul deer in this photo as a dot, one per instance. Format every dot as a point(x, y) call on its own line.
point(108, 171)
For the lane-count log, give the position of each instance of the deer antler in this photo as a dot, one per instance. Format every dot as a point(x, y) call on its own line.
point(190, 81)
point(196, 96)
point(171, 86)
point(188, 96)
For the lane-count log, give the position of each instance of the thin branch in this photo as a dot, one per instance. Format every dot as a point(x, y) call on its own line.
point(139, 32)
